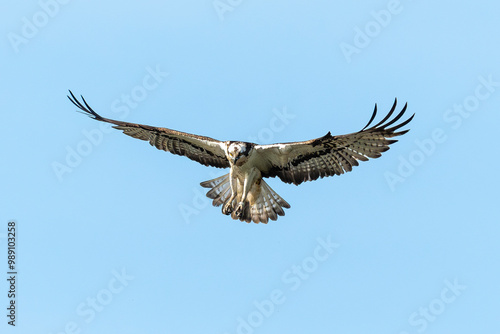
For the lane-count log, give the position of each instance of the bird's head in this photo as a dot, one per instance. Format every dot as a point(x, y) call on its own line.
point(237, 152)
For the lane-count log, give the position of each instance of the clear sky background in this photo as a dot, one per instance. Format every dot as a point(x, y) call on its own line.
point(115, 236)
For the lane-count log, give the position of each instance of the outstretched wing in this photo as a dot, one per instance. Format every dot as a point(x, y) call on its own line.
point(207, 151)
point(331, 155)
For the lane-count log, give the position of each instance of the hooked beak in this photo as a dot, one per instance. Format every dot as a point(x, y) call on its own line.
point(232, 158)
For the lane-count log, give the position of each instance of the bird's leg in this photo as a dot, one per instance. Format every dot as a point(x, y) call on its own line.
point(250, 179)
point(227, 208)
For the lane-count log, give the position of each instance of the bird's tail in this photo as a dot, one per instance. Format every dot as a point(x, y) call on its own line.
point(263, 202)
point(221, 189)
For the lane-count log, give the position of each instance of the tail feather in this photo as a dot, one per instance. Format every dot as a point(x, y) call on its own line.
point(265, 204)
point(214, 182)
point(258, 212)
point(221, 189)
point(275, 203)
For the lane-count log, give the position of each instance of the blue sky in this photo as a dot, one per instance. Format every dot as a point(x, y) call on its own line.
point(115, 236)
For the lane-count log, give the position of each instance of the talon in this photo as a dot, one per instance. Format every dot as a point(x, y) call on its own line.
point(239, 209)
point(227, 209)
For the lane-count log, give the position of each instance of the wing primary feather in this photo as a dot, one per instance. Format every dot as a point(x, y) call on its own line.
point(75, 101)
point(400, 126)
point(388, 115)
point(89, 108)
point(395, 119)
point(84, 109)
point(372, 118)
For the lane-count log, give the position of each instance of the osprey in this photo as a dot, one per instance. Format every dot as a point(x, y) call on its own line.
point(242, 192)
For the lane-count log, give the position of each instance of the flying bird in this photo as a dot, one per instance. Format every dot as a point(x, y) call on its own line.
point(242, 192)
